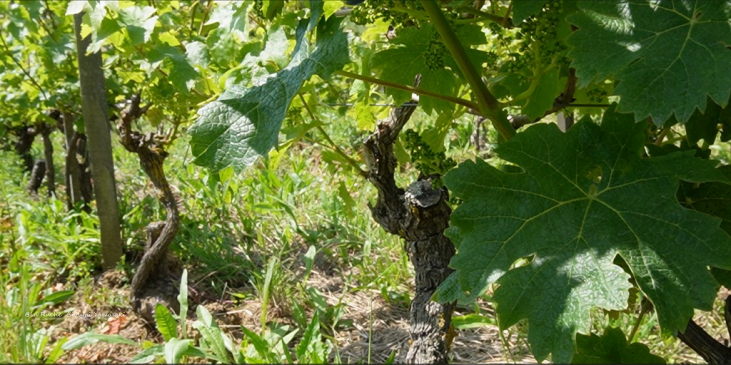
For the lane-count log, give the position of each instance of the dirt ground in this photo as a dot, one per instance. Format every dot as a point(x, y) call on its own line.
point(376, 326)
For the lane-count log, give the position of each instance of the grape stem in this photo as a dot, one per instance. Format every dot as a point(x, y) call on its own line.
point(504, 22)
point(661, 137)
point(412, 89)
point(488, 105)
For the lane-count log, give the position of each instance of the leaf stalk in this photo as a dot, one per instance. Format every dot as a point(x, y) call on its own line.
point(459, 101)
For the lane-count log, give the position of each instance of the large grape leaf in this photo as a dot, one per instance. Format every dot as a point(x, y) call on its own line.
point(181, 74)
point(407, 58)
point(139, 22)
point(243, 124)
point(668, 55)
point(582, 198)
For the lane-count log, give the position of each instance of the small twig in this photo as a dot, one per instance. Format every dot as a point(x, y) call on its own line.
point(53, 20)
point(43, 24)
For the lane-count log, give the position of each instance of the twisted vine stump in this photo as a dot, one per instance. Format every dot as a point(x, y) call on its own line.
point(154, 281)
point(36, 177)
point(419, 214)
point(26, 135)
point(77, 174)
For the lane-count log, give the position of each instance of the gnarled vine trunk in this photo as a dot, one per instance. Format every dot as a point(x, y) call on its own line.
point(418, 214)
point(45, 130)
point(154, 267)
point(26, 135)
point(78, 178)
point(704, 344)
point(36, 177)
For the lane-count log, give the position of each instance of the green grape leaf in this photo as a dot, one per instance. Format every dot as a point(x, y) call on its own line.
point(525, 8)
point(581, 198)
point(275, 50)
point(705, 125)
point(541, 99)
point(654, 49)
point(232, 18)
point(713, 199)
point(182, 74)
point(222, 47)
point(139, 22)
point(612, 348)
point(197, 54)
point(243, 124)
point(272, 8)
point(407, 58)
point(75, 7)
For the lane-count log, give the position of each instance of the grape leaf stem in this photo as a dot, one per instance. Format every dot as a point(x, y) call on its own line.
point(412, 89)
point(488, 105)
point(661, 137)
point(646, 306)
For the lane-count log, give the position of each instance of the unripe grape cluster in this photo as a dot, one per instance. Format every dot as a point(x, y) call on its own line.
point(538, 36)
point(596, 95)
point(424, 158)
point(434, 55)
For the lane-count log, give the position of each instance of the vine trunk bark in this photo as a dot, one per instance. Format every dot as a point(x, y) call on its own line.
point(152, 279)
point(26, 135)
point(36, 177)
point(78, 180)
point(94, 110)
point(419, 214)
point(45, 131)
point(704, 344)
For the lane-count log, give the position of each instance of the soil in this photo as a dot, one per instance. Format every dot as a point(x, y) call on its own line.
point(377, 328)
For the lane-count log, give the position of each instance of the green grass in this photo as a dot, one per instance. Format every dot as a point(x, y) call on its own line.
point(255, 236)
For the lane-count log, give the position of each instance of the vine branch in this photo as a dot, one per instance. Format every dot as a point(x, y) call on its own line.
point(488, 105)
point(704, 344)
point(459, 101)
